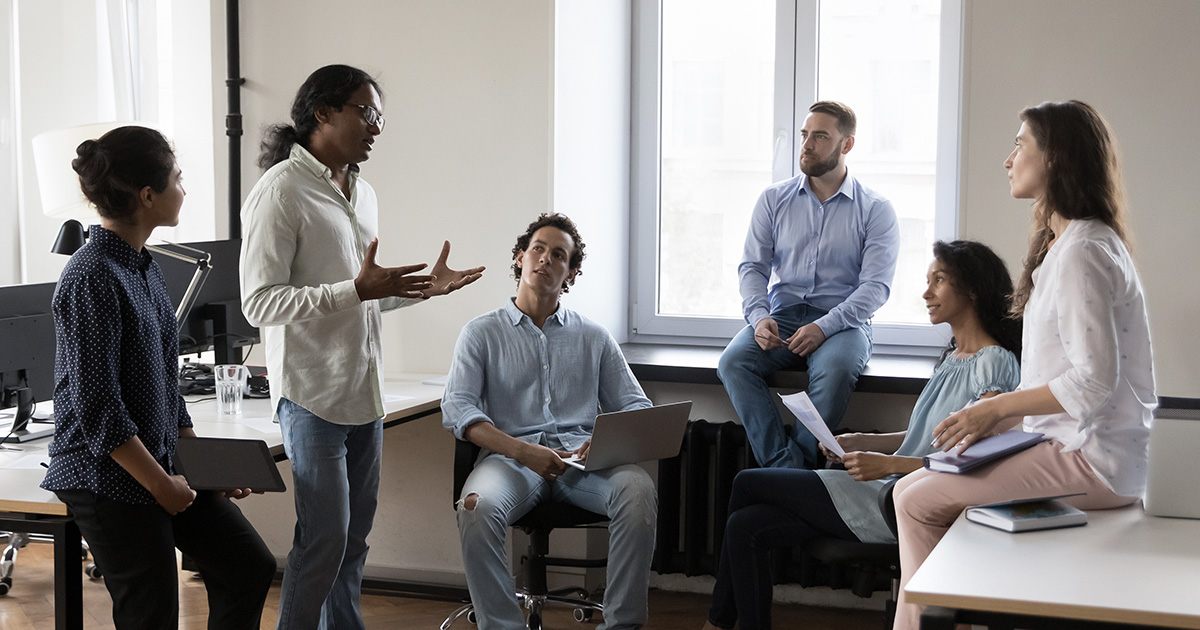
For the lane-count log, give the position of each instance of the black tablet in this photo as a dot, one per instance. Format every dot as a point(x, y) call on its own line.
point(227, 463)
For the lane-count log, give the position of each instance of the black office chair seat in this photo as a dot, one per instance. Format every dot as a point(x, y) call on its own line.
point(537, 524)
point(863, 565)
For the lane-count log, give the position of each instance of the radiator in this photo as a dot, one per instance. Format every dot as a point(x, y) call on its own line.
point(693, 496)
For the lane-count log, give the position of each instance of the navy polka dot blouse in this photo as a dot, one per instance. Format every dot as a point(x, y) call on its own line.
point(116, 370)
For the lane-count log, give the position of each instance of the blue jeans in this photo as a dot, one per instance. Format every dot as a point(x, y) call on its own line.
point(833, 370)
point(768, 508)
point(335, 479)
point(506, 490)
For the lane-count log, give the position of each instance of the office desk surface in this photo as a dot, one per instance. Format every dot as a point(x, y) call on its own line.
point(405, 398)
point(1123, 567)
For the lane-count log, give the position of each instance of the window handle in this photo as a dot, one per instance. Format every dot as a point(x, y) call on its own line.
point(781, 155)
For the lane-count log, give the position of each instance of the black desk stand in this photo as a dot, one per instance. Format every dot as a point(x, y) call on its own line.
point(68, 574)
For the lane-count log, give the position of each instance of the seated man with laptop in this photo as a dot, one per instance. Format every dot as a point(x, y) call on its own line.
point(526, 383)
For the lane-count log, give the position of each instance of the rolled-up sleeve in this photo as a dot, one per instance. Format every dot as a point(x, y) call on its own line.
point(268, 252)
point(463, 399)
point(619, 389)
point(1087, 330)
point(88, 322)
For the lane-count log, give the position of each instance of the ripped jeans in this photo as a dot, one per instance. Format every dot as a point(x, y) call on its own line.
point(506, 490)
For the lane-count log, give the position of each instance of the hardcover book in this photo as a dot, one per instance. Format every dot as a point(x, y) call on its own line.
point(1027, 515)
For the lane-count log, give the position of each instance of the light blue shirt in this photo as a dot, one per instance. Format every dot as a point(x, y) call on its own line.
point(838, 256)
point(541, 386)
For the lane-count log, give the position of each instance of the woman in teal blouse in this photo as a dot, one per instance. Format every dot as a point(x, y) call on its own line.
point(968, 288)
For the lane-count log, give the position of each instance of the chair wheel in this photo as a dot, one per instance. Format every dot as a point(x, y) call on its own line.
point(535, 620)
point(5, 584)
point(93, 571)
point(583, 615)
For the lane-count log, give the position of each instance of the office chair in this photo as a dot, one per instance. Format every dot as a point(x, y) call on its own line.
point(16, 542)
point(537, 524)
point(869, 561)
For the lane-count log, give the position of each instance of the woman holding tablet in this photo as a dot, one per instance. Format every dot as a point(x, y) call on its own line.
point(1087, 378)
point(118, 412)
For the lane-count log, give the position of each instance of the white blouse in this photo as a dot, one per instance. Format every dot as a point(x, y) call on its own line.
point(1086, 334)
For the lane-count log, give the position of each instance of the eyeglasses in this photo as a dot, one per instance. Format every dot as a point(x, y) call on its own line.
point(371, 115)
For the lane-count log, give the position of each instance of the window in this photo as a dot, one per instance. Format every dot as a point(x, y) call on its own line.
point(718, 98)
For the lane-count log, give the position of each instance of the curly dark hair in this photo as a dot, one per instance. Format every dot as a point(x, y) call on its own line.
point(555, 220)
point(330, 86)
point(979, 274)
point(113, 169)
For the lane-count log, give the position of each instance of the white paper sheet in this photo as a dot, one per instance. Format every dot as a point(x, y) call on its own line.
point(806, 413)
point(263, 424)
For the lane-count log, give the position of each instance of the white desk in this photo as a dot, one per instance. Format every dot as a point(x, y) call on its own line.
point(1124, 567)
point(26, 507)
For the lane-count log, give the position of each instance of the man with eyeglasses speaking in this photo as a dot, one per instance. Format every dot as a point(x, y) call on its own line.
point(311, 283)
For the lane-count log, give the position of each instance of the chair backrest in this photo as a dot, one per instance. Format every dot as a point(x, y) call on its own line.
point(465, 454)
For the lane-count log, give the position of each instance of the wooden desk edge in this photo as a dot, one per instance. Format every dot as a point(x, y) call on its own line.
point(33, 507)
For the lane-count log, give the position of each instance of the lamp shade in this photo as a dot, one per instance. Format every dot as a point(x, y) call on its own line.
point(58, 183)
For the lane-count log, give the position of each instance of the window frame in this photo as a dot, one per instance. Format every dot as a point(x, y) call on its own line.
point(796, 40)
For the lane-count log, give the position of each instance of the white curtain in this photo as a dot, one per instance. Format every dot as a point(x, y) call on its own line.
point(118, 60)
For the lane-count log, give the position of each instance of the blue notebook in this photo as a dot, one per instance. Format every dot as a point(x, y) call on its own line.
point(982, 452)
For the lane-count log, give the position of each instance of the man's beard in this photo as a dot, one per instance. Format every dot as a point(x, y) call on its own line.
point(820, 168)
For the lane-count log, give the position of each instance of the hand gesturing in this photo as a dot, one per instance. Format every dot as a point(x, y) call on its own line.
point(447, 280)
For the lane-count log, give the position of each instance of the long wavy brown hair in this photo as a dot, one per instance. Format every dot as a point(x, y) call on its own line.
point(1083, 179)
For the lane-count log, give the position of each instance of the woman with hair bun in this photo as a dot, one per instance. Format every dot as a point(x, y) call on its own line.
point(118, 412)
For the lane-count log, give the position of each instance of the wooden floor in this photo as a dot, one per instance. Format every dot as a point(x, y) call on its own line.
point(30, 605)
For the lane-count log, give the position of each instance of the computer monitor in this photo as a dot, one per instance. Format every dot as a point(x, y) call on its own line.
point(215, 321)
point(27, 347)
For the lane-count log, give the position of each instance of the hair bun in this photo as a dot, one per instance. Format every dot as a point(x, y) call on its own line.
point(92, 160)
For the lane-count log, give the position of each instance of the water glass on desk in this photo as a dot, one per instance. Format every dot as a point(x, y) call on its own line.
point(231, 386)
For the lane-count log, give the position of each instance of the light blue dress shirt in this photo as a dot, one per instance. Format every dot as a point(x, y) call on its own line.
point(838, 256)
point(542, 386)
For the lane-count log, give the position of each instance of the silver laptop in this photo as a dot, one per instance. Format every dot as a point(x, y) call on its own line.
point(1171, 488)
point(640, 435)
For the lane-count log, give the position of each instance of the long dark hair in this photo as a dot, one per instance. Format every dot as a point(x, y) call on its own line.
point(979, 274)
point(1083, 178)
point(330, 86)
point(116, 167)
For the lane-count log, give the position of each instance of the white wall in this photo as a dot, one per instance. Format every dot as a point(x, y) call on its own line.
point(1136, 63)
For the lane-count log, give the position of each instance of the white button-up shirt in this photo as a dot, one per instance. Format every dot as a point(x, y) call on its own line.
point(1087, 335)
point(302, 247)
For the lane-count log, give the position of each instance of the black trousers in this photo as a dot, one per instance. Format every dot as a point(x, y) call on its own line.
point(769, 508)
point(134, 547)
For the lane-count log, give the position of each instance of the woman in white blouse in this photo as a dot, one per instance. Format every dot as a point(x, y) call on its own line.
point(1087, 380)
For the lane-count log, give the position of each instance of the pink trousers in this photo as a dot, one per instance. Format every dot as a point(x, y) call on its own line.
point(927, 502)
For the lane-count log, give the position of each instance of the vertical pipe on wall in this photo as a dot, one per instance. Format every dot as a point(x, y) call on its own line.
point(233, 119)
